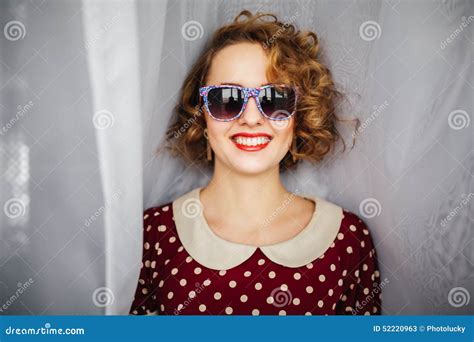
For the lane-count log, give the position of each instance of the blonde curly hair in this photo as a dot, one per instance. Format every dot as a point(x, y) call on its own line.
point(294, 60)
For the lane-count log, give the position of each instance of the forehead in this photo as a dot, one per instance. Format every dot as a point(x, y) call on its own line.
point(242, 63)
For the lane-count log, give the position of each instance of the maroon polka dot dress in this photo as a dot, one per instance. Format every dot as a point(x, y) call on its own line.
point(329, 268)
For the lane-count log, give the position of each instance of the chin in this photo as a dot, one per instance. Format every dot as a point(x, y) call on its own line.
point(251, 164)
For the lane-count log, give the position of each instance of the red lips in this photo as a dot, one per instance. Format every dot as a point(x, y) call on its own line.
point(251, 135)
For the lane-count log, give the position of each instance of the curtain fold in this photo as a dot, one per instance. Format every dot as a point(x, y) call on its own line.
point(88, 89)
point(111, 39)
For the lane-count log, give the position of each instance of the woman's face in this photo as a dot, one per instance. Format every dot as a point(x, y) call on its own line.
point(245, 64)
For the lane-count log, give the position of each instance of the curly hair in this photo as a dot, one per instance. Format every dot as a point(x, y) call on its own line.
point(294, 60)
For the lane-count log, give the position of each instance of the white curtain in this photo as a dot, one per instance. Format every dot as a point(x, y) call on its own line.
point(111, 40)
point(104, 76)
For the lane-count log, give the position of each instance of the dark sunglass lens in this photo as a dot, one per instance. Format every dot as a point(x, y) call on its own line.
point(225, 103)
point(278, 102)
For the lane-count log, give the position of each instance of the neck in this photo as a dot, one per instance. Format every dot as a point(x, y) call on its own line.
point(253, 197)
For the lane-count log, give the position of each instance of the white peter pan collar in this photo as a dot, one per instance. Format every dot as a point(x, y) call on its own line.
point(214, 252)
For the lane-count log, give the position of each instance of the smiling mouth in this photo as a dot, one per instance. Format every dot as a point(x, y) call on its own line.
point(251, 144)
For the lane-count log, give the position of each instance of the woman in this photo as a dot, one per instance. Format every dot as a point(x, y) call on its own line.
point(256, 102)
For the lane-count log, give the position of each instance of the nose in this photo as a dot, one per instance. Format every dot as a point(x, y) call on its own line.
point(251, 115)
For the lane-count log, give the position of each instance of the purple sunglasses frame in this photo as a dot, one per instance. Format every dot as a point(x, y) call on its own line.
point(248, 92)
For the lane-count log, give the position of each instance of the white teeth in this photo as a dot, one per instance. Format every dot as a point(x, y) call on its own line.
point(251, 141)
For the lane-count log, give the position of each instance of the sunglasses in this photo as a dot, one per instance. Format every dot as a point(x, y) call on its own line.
point(228, 102)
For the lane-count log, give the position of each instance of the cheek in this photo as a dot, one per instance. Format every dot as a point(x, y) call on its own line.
point(216, 130)
point(283, 131)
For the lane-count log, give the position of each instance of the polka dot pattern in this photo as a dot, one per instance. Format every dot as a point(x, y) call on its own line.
point(172, 282)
